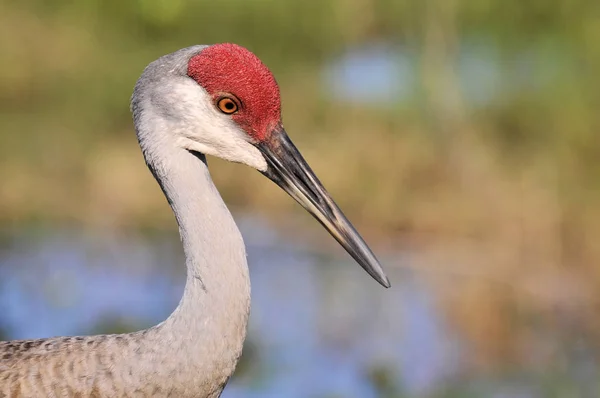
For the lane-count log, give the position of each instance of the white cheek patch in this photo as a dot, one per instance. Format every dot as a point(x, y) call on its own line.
point(248, 154)
point(203, 128)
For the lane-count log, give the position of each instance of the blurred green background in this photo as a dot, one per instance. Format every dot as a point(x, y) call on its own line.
point(465, 131)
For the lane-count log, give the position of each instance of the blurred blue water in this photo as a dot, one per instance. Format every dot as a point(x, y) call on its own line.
point(384, 73)
point(318, 322)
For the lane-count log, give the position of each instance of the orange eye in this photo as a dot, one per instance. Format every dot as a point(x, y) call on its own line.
point(227, 105)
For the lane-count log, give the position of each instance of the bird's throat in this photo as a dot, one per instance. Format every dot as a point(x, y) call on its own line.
point(210, 321)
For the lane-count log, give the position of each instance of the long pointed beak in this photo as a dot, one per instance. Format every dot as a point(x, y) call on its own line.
point(288, 169)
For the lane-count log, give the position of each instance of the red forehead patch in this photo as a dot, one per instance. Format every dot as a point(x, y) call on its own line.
point(229, 68)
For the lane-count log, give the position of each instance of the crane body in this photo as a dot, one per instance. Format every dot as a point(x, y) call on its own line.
point(187, 105)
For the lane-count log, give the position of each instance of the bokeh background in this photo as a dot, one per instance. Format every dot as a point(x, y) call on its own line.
point(461, 137)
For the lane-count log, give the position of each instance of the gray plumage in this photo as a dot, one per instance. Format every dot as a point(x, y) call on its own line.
point(178, 119)
point(195, 350)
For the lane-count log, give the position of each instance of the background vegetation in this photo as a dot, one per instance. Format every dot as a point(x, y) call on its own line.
point(505, 183)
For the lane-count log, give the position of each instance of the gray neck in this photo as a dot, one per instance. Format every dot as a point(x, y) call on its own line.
point(202, 339)
point(209, 324)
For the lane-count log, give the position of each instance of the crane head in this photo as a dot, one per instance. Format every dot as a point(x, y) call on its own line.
point(222, 100)
point(240, 85)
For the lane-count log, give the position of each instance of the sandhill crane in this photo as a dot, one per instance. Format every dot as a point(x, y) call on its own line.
point(216, 100)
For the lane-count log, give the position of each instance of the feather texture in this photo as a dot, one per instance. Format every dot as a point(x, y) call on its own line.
point(194, 351)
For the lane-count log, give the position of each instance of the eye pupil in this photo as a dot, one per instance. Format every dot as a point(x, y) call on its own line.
point(229, 105)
